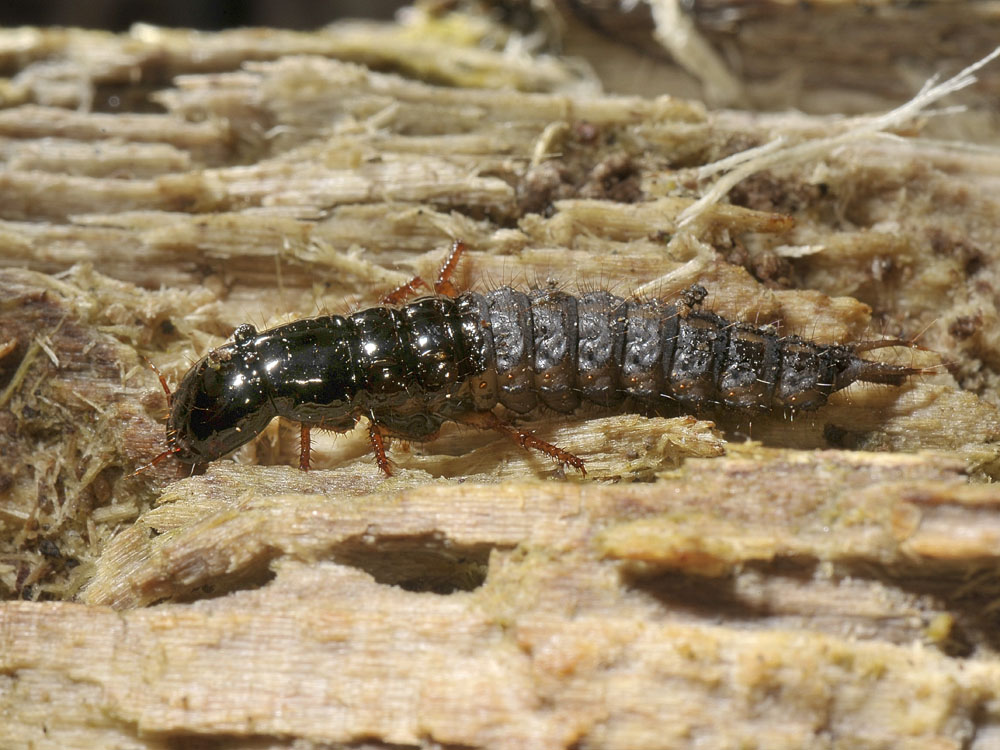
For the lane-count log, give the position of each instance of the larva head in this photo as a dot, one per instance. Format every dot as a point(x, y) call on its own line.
point(221, 403)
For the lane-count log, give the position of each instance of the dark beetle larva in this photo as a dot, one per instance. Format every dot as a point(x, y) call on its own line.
point(407, 368)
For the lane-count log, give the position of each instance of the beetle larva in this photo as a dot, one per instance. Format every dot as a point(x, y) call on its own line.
point(450, 356)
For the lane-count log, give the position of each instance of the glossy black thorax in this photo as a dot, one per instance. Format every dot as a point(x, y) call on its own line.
point(310, 370)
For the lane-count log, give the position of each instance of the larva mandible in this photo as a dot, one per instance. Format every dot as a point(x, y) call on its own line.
point(450, 356)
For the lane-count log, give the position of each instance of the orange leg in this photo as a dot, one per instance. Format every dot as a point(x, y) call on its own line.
point(487, 420)
point(163, 380)
point(442, 286)
point(305, 445)
point(154, 462)
point(404, 291)
point(378, 446)
point(305, 441)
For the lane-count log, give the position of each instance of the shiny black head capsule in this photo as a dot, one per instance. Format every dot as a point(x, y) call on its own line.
point(223, 402)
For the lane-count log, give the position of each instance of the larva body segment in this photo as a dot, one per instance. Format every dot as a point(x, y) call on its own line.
point(513, 353)
point(601, 325)
point(556, 336)
point(409, 368)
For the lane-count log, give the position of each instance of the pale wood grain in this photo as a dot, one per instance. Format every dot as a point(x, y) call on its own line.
point(831, 583)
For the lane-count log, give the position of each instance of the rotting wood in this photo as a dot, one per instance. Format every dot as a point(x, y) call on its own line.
point(770, 594)
point(833, 57)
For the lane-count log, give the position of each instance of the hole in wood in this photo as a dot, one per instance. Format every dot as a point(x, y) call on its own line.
point(427, 564)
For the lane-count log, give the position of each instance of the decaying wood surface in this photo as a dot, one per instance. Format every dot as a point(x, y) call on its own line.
point(377, 607)
point(830, 583)
point(827, 57)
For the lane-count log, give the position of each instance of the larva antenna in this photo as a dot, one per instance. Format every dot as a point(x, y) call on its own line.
point(155, 461)
point(172, 449)
point(163, 380)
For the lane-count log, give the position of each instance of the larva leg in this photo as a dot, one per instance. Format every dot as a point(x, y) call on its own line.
point(404, 291)
point(155, 461)
point(442, 285)
point(487, 420)
point(378, 447)
point(154, 368)
point(305, 446)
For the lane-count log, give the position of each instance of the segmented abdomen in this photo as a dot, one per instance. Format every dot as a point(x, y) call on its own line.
point(548, 348)
point(438, 358)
